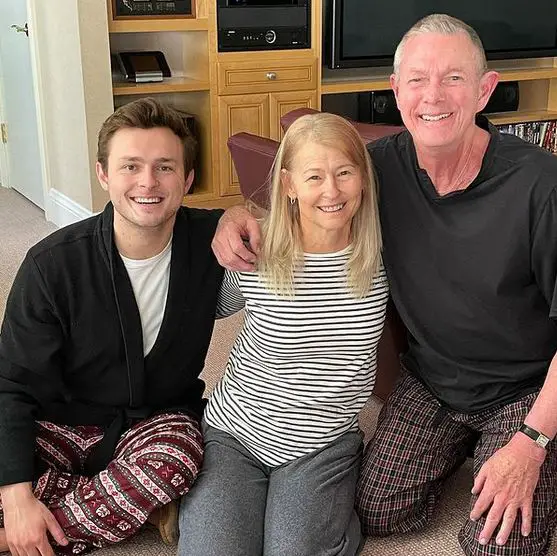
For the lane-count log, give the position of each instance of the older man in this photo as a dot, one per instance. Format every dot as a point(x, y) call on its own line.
point(469, 222)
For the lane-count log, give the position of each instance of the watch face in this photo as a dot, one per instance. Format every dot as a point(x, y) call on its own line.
point(542, 440)
point(539, 438)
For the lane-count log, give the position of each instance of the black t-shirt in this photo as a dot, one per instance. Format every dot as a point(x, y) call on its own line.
point(473, 273)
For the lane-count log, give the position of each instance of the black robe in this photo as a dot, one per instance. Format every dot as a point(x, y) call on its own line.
point(71, 345)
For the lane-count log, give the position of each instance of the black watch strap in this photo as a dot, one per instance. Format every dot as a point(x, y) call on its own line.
point(539, 438)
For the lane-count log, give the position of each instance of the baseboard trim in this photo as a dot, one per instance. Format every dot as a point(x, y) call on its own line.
point(61, 210)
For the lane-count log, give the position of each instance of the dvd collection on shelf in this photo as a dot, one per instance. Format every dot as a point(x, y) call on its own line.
point(543, 134)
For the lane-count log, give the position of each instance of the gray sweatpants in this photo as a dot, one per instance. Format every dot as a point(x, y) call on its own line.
point(241, 507)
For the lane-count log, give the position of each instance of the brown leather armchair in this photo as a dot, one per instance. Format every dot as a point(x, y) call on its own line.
point(253, 157)
point(368, 132)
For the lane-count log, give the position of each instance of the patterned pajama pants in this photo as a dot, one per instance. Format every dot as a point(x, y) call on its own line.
point(417, 445)
point(155, 461)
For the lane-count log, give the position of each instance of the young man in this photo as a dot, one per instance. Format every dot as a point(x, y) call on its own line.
point(106, 330)
point(469, 220)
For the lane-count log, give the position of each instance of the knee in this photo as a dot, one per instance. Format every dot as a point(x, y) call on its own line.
point(171, 436)
point(211, 528)
point(172, 453)
point(310, 542)
point(382, 513)
point(536, 543)
point(371, 507)
point(292, 543)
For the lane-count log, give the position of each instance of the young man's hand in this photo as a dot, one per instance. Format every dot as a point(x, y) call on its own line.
point(228, 244)
point(27, 521)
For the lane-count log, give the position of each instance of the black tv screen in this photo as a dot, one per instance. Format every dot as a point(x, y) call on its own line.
point(363, 33)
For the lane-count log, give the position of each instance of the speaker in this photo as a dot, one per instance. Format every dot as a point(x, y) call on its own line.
point(505, 98)
point(378, 107)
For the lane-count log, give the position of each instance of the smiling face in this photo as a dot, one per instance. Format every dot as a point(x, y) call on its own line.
point(439, 88)
point(327, 187)
point(145, 179)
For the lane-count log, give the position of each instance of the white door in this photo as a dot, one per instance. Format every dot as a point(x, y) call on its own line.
point(24, 172)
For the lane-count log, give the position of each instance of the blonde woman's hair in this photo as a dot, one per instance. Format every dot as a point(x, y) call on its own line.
point(441, 24)
point(282, 250)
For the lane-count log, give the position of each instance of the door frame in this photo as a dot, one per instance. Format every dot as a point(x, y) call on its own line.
point(4, 159)
point(39, 108)
point(39, 102)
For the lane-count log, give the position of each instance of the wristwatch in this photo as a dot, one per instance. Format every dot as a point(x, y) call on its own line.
point(539, 438)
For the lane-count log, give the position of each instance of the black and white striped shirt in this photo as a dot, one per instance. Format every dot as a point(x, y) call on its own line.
point(302, 367)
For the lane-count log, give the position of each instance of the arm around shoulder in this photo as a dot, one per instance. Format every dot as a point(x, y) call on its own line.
point(237, 239)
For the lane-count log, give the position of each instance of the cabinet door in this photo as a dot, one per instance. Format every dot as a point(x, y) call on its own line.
point(238, 113)
point(282, 103)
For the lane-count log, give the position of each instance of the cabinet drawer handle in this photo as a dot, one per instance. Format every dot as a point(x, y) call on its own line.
point(271, 75)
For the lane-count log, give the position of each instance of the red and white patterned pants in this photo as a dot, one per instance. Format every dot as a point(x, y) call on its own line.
point(155, 461)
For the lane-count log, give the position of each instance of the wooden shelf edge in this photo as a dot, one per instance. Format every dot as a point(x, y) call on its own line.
point(209, 200)
point(202, 195)
point(528, 74)
point(157, 25)
point(521, 116)
point(369, 79)
point(171, 85)
point(301, 54)
point(354, 86)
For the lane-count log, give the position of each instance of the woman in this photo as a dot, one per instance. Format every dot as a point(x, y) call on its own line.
point(283, 445)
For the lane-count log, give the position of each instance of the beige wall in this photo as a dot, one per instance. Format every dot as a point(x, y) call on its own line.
point(75, 93)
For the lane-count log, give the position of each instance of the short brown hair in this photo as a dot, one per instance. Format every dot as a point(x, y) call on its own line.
point(147, 113)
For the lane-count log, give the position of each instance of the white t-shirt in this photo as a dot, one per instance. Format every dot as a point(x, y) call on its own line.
point(150, 279)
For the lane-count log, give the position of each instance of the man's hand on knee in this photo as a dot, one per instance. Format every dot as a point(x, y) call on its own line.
point(505, 487)
point(27, 522)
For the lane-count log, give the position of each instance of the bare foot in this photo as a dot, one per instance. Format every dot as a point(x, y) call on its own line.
point(3, 543)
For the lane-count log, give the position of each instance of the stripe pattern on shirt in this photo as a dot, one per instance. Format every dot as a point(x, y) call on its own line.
point(302, 367)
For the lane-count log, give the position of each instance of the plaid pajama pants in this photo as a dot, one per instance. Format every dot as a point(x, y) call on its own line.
point(418, 444)
point(155, 461)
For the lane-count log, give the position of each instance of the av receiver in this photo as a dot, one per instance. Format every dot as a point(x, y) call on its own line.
point(263, 24)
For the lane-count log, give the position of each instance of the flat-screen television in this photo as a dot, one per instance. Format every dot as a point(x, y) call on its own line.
point(360, 33)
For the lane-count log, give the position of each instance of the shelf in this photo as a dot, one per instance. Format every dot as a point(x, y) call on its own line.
point(169, 85)
point(157, 25)
point(377, 79)
point(198, 196)
point(521, 116)
point(527, 74)
point(354, 80)
point(208, 200)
